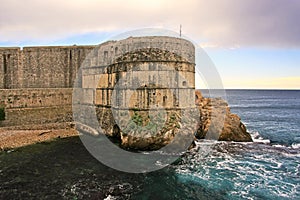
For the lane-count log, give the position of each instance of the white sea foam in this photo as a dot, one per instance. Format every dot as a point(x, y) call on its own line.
point(296, 145)
point(256, 137)
point(223, 165)
point(279, 145)
point(109, 197)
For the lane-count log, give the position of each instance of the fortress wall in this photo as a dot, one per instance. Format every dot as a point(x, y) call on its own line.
point(99, 72)
point(56, 66)
point(52, 67)
point(29, 98)
point(36, 106)
point(40, 67)
point(40, 79)
point(140, 74)
point(28, 79)
point(111, 50)
point(38, 115)
point(10, 67)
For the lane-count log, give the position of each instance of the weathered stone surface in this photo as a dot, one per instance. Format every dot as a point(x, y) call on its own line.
point(153, 134)
point(36, 106)
point(40, 67)
point(153, 54)
point(234, 130)
point(222, 124)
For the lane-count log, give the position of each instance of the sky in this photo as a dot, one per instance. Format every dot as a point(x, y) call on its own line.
point(253, 44)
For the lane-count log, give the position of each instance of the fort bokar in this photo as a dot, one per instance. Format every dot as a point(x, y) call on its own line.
point(134, 85)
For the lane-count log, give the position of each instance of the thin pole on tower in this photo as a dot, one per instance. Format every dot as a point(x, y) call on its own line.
point(180, 30)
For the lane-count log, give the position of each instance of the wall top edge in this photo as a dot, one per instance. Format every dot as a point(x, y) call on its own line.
point(93, 46)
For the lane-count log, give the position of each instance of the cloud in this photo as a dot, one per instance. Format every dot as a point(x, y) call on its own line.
point(269, 23)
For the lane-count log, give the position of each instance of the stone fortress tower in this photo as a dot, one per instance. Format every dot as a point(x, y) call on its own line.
point(140, 86)
point(153, 60)
point(137, 82)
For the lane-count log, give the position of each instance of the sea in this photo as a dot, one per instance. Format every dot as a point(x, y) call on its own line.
point(268, 168)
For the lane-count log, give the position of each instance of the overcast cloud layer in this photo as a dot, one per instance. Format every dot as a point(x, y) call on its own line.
point(226, 23)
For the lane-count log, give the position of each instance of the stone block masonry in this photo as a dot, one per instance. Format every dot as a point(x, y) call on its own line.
point(40, 67)
point(36, 83)
point(143, 89)
point(36, 106)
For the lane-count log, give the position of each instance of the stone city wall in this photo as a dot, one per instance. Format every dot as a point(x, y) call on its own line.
point(40, 67)
point(36, 106)
point(36, 82)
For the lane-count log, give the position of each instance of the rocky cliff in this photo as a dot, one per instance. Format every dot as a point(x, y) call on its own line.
point(217, 122)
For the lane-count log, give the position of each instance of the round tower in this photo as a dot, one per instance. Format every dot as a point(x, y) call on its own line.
point(141, 87)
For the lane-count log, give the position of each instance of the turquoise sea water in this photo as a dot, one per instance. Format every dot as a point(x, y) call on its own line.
point(274, 114)
point(268, 168)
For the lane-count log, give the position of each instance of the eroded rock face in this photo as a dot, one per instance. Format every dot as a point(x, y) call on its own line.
point(143, 133)
point(217, 122)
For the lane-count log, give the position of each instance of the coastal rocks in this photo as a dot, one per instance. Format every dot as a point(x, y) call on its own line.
point(234, 130)
point(217, 122)
point(154, 132)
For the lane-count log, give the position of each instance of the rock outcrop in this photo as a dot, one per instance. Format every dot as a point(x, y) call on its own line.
point(217, 122)
point(154, 132)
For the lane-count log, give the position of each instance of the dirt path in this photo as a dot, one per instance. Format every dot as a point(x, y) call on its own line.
point(17, 138)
